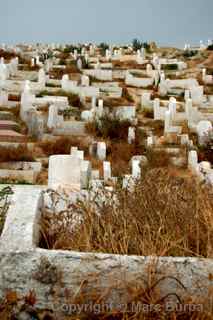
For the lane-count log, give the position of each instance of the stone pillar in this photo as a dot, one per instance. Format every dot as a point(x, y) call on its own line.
point(86, 173)
point(172, 107)
point(101, 150)
point(93, 102)
point(156, 107)
point(167, 123)
point(146, 99)
point(65, 82)
point(204, 127)
point(42, 78)
point(85, 81)
point(3, 98)
point(52, 117)
point(188, 110)
point(149, 70)
point(26, 101)
point(107, 170)
point(131, 135)
point(150, 142)
point(77, 153)
point(193, 160)
point(136, 169)
point(186, 95)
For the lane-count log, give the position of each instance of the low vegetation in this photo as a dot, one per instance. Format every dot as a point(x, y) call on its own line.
point(166, 215)
point(73, 99)
point(61, 146)
point(109, 128)
point(21, 153)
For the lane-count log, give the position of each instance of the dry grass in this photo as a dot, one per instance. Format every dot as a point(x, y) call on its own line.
point(120, 153)
point(118, 102)
point(62, 146)
point(166, 215)
point(21, 153)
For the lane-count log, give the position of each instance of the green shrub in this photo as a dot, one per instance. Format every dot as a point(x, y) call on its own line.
point(172, 66)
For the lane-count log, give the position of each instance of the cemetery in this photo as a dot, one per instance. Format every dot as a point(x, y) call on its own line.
point(106, 178)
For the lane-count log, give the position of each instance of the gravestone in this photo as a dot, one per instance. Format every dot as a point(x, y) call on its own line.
point(65, 172)
point(101, 150)
point(203, 128)
point(107, 170)
point(131, 135)
point(52, 117)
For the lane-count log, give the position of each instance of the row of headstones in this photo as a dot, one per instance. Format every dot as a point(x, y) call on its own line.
point(72, 171)
point(202, 46)
point(168, 115)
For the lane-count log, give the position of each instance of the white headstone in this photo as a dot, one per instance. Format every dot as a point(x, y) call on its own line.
point(203, 128)
point(136, 169)
point(52, 117)
point(65, 172)
point(101, 150)
point(42, 78)
point(131, 135)
point(193, 160)
point(156, 107)
point(107, 170)
point(172, 107)
point(85, 81)
point(168, 119)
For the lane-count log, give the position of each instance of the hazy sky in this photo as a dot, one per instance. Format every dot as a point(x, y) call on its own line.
point(168, 22)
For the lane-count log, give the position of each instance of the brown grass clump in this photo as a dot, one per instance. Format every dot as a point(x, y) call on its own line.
point(166, 215)
point(120, 153)
point(158, 158)
point(118, 102)
point(62, 146)
point(21, 153)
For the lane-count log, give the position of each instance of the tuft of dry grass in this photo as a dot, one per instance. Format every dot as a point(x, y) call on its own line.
point(62, 146)
point(21, 153)
point(166, 215)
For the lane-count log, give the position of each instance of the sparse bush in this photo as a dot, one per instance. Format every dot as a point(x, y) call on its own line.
point(148, 113)
point(190, 53)
point(210, 47)
point(110, 128)
point(172, 66)
point(103, 47)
